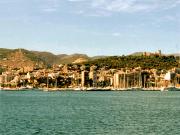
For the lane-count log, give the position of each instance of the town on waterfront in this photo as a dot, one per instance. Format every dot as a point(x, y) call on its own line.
point(18, 72)
point(89, 67)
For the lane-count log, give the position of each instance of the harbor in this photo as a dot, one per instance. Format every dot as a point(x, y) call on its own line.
point(89, 67)
point(17, 73)
point(81, 112)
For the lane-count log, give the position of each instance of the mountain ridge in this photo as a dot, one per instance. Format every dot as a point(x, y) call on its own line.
point(48, 58)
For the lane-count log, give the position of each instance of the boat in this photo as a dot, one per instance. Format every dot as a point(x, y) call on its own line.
point(136, 89)
point(22, 88)
point(167, 88)
point(106, 89)
point(113, 89)
point(10, 89)
point(173, 88)
point(162, 89)
point(84, 88)
point(45, 89)
point(29, 87)
point(77, 89)
point(7, 88)
point(170, 88)
point(92, 89)
point(54, 89)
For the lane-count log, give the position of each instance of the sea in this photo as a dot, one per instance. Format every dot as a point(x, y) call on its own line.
point(89, 113)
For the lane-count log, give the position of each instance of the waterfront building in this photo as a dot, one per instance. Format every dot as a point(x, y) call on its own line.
point(75, 79)
point(116, 80)
point(127, 79)
point(2, 79)
point(93, 75)
point(84, 78)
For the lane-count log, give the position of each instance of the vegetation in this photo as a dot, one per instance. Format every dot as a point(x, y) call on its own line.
point(46, 57)
point(113, 62)
point(145, 62)
point(1, 70)
point(4, 52)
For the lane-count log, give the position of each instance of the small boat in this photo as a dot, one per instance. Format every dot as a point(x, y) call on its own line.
point(136, 89)
point(45, 90)
point(91, 89)
point(106, 89)
point(84, 88)
point(29, 87)
point(54, 89)
point(6, 88)
point(172, 88)
point(77, 89)
point(164, 89)
point(22, 88)
point(113, 89)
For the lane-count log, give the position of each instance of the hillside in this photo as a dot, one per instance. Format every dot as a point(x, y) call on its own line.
point(45, 57)
point(141, 53)
point(145, 62)
point(136, 54)
point(21, 57)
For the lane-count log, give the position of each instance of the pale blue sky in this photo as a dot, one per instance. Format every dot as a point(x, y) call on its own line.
point(93, 27)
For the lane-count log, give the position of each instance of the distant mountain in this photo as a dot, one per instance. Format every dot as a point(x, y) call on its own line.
point(46, 57)
point(4, 52)
point(98, 57)
point(137, 54)
point(71, 58)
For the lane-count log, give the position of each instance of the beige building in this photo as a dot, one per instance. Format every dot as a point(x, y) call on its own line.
point(84, 78)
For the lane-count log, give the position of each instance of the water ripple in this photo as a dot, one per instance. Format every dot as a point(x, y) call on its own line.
point(83, 113)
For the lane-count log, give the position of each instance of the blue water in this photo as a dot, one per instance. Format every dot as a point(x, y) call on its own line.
point(93, 113)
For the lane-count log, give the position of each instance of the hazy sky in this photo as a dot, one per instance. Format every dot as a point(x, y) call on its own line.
point(94, 27)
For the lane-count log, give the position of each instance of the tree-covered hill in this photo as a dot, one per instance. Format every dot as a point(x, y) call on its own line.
point(116, 62)
point(145, 62)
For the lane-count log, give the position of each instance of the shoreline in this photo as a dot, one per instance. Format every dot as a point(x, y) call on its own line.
point(90, 89)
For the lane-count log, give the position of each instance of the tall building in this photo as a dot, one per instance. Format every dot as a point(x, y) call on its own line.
point(116, 80)
point(93, 75)
point(84, 78)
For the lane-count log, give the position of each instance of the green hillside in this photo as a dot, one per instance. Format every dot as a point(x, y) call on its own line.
point(146, 62)
point(133, 60)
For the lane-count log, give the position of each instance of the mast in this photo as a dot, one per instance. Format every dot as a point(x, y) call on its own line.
point(134, 79)
point(56, 83)
point(124, 80)
point(140, 79)
point(47, 82)
point(127, 81)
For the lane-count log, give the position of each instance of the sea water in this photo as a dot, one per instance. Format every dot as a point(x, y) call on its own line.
point(89, 113)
